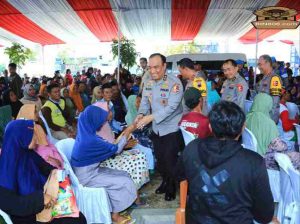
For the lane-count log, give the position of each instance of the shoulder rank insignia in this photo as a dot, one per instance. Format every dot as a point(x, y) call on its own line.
point(200, 84)
point(275, 86)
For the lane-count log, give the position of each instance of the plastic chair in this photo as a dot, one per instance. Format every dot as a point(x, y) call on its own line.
point(295, 206)
point(187, 136)
point(247, 106)
point(249, 140)
point(94, 203)
point(50, 137)
point(180, 212)
point(286, 191)
point(5, 217)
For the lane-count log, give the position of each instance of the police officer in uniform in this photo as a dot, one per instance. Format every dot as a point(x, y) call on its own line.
point(270, 84)
point(194, 79)
point(161, 105)
point(235, 87)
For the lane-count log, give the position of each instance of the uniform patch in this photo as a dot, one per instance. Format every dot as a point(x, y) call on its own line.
point(240, 87)
point(176, 88)
point(199, 83)
point(164, 102)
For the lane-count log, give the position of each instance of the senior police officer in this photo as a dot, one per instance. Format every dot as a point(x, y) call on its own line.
point(235, 87)
point(194, 79)
point(270, 84)
point(161, 105)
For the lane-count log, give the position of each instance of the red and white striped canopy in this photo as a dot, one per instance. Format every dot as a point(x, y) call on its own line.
point(90, 21)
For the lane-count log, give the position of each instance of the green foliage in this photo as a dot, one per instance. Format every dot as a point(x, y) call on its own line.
point(18, 54)
point(128, 53)
point(64, 55)
point(186, 48)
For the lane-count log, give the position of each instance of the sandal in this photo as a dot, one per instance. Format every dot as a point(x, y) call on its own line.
point(128, 220)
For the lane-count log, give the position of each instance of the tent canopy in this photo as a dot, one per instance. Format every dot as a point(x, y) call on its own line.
point(86, 21)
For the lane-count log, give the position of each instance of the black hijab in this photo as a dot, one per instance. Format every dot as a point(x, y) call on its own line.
point(15, 106)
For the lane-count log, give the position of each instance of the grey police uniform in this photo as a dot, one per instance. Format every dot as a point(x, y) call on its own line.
point(163, 100)
point(235, 90)
point(264, 86)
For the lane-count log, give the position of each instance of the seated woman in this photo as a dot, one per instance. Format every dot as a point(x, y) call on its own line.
point(75, 95)
point(43, 94)
point(89, 151)
point(23, 174)
point(132, 161)
point(97, 94)
point(145, 144)
point(260, 123)
point(43, 146)
point(279, 146)
point(285, 124)
point(10, 98)
point(30, 97)
point(70, 105)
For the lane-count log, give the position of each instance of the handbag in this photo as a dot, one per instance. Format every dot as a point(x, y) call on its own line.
point(50, 188)
point(180, 212)
point(66, 202)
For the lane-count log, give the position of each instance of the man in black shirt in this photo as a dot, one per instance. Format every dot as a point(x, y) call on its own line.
point(15, 81)
point(227, 183)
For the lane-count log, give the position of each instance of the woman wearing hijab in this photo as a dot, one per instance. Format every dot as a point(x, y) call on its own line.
point(10, 98)
point(89, 151)
point(260, 123)
point(23, 175)
point(279, 146)
point(43, 94)
point(30, 97)
point(97, 94)
point(145, 144)
point(70, 105)
point(133, 161)
point(43, 147)
point(75, 95)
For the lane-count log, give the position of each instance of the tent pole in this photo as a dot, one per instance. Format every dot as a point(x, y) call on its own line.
point(298, 69)
point(256, 52)
point(119, 47)
point(43, 58)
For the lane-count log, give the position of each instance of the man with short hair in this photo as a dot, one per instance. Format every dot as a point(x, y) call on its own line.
point(235, 87)
point(15, 81)
point(270, 84)
point(194, 79)
point(226, 183)
point(146, 75)
point(54, 111)
point(195, 122)
point(161, 105)
point(198, 69)
point(107, 94)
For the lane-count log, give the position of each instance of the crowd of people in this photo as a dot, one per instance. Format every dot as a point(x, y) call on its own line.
point(126, 126)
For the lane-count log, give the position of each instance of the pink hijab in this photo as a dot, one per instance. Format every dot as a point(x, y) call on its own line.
point(105, 132)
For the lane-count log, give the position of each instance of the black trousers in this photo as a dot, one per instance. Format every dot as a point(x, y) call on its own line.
point(166, 150)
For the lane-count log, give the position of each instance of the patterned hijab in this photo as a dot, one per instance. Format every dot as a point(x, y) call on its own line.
point(26, 93)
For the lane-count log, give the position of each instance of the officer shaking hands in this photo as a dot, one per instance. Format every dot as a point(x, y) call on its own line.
point(235, 87)
point(161, 105)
